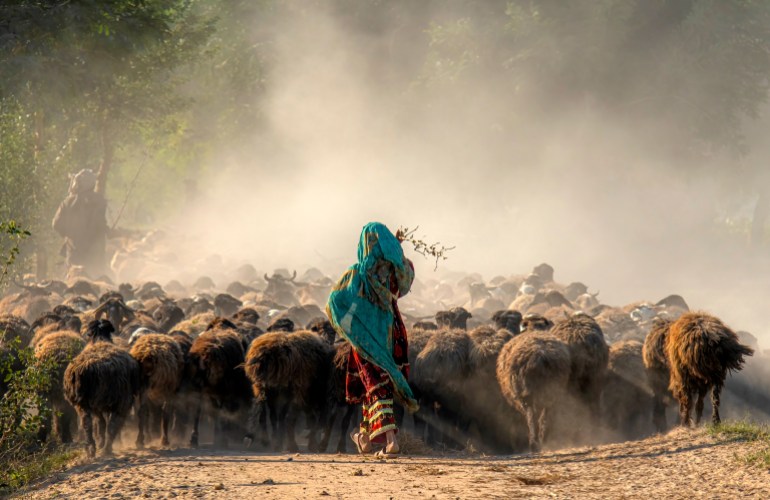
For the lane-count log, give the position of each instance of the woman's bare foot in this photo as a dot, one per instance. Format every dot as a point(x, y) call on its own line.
point(391, 447)
point(362, 442)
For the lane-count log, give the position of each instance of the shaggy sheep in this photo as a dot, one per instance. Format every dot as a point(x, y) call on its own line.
point(589, 355)
point(323, 327)
point(535, 323)
point(167, 315)
point(162, 363)
point(338, 400)
point(484, 403)
point(58, 349)
point(215, 371)
point(508, 320)
point(438, 376)
point(102, 380)
point(658, 374)
point(627, 396)
point(701, 350)
point(289, 372)
point(533, 371)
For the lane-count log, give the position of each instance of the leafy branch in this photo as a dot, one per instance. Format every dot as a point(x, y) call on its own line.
point(16, 234)
point(435, 250)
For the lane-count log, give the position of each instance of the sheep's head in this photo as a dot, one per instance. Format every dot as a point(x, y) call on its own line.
point(100, 330)
point(168, 315)
point(281, 324)
point(535, 323)
point(323, 327)
point(508, 320)
point(247, 315)
point(460, 317)
point(226, 305)
point(116, 311)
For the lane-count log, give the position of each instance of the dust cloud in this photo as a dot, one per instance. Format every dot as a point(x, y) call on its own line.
point(355, 132)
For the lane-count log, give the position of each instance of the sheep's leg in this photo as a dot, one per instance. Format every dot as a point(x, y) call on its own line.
point(533, 427)
point(196, 422)
point(715, 396)
point(254, 420)
point(280, 424)
point(113, 429)
point(699, 405)
point(142, 423)
point(350, 411)
point(48, 426)
point(314, 422)
point(331, 417)
point(290, 420)
point(685, 407)
point(659, 413)
point(101, 429)
point(164, 418)
point(87, 423)
point(64, 423)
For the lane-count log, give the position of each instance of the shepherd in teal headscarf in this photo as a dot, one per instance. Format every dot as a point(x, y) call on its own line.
point(362, 307)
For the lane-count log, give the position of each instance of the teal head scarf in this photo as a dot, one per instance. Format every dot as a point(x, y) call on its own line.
point(361, 304)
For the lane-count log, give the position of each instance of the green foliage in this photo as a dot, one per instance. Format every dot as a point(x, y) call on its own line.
point(741, 430)
point(21, 472)
point(744, 430)
point(23, 408)
point(12, 236)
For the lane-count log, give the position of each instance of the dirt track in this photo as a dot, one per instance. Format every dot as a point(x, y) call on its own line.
point(683, 464)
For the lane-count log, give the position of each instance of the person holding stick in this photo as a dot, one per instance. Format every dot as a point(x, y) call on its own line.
point(363, 309)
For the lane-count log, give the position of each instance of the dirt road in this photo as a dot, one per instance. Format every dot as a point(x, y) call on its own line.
point(682, 464)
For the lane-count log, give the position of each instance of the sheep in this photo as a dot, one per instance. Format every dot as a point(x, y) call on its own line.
point(167, 315)
point(15, 327)
point(289, 371)
point(535, 323)
point(70, 323)
point(281, 324)
point(658, 373)
point(338, 398)
point(701, 350)
point(484, 403)
point(215, 371)
point(162, 363)
point(323, 327)
point(533, 371)
point(102, 379)
point(509, 320)
point(438, 374)
point(589, 355)
point(58, 349)
point(627, 395)
point(196, 324)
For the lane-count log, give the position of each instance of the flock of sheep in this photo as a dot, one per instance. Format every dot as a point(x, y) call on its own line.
point(522, 361)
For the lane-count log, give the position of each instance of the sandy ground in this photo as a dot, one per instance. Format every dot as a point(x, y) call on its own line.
point(682, 464)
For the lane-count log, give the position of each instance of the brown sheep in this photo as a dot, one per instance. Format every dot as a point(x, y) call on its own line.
point(15, 333)
point(196, 324)
point(701, 350)
point(533, 371)
point(58, 348)
point(627, 396)
point(535, 323)
point(215, 370)
point(162, 363)
point(438, 375)
point(484, 403)
point(508, 319)
point(102, 380)
point(289, 371)
point(589, 355)
point(658, 374)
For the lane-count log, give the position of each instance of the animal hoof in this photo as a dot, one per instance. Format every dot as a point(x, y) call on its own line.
point(247, 441)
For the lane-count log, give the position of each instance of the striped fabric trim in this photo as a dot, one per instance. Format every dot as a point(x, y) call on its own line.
point(383, 430)
point(380, 402)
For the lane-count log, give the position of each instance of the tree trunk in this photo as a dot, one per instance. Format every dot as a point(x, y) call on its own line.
point(108, 150)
